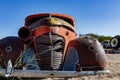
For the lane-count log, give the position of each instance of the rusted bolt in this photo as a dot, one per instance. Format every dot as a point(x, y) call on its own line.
point(66, 33)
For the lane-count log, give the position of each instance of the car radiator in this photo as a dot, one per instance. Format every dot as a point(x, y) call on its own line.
point(50, 48)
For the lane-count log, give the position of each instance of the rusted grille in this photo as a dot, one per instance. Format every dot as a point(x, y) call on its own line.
point(50, 48)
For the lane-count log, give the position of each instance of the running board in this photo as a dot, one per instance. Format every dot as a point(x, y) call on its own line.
point(53, 74)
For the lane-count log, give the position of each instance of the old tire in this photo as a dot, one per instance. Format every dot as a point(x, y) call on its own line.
point(115, 42)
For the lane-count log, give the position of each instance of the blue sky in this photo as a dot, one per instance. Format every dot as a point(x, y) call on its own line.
point(91, 16)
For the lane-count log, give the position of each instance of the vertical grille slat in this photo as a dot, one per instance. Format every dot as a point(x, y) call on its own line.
point(50, 59)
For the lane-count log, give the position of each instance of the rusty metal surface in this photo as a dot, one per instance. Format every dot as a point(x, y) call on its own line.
point(32, 18)
point(41, 24)
point(90, 52)
point(56, 34)
point(50, 54)
point(10, 49)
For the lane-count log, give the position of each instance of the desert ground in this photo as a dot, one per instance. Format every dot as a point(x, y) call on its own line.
point(113, 66)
